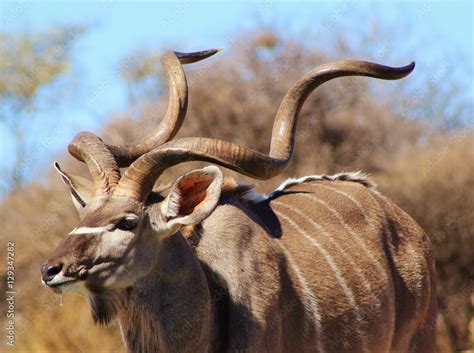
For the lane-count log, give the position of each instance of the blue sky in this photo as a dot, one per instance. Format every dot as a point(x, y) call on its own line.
point(120, 27)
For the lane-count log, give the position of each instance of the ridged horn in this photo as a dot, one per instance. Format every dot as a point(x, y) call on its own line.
point(104, 161)
point(102, 166)
point(139, 179)
point(176, 112)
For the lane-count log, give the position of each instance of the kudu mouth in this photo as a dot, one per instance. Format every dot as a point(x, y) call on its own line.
point(55, 278)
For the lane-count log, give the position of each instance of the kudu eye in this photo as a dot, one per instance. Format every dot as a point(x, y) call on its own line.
point(127, 224)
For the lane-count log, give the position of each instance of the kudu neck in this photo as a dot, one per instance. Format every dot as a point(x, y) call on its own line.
point(174, 295)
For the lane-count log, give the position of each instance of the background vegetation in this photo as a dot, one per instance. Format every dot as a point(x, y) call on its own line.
point(415, 137)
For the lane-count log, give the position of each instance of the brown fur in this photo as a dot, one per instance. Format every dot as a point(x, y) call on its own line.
point(247, 278)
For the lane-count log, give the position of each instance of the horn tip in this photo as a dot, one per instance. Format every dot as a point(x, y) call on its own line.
point(63, 175)
point(211, 51)
point(410, 67)
point(402, 71)
point(189, 58)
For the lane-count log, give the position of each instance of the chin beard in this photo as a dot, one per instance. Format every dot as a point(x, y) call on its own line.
point(105, 303)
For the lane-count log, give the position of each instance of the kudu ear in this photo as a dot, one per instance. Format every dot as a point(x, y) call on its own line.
point(81, 189)
point(193, 197)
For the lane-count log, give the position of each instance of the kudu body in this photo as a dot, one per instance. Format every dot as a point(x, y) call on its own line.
point(322, 264)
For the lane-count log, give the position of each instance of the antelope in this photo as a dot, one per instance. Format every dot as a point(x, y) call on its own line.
point(321, 264)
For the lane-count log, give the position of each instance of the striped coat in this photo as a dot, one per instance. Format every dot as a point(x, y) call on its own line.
point(323, 264)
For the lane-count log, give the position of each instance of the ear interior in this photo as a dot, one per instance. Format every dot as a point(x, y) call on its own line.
point(81, 189)
point(188, 194)
point(193, 196)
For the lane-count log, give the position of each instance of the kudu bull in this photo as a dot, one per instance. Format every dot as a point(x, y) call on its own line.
point(322, 264)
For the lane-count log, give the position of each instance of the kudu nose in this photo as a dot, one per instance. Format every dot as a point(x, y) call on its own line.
point(49, 271)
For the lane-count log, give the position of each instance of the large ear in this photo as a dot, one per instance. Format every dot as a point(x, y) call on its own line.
point(81, 189)
point(193, 197)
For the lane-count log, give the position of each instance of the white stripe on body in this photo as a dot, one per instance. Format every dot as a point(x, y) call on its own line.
point(349, 229)
point(346, 255)
point(330, 260)
point(309, 296)
point(357, 203)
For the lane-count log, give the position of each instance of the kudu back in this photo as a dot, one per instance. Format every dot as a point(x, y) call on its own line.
point(322, 264)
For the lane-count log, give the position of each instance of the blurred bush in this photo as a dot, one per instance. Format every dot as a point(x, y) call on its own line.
point(348, 124)
point(435, 185)
point(31, 64)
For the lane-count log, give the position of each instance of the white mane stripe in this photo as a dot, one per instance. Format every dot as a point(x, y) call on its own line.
point(358, 177)
point(330, 261)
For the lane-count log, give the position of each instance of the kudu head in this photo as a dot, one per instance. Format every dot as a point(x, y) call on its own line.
point(116, 241)
point(123, 223)
point(119, 236)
